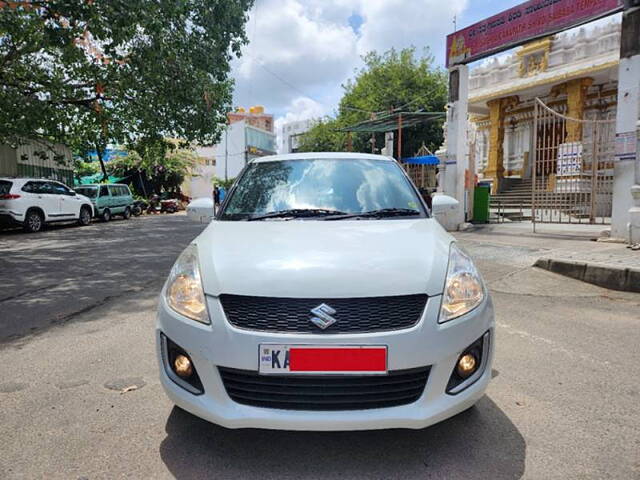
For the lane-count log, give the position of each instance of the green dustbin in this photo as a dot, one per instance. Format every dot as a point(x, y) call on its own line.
point(481, 204)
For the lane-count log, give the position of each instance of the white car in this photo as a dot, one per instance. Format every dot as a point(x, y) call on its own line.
point(323, 296)
point(33, 202)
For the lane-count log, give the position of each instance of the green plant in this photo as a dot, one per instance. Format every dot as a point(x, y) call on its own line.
point(222, 183)
point(162, 163)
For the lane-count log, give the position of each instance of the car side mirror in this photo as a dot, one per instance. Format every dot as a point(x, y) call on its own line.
point(201, 210)
point(443, 208)
point(72, 193)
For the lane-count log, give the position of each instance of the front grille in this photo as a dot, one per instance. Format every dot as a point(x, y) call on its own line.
point(324, 392)
point(353, 315)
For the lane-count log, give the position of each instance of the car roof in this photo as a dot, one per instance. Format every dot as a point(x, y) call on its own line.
point(322, 156)
point(29, 179)
point(101, 184)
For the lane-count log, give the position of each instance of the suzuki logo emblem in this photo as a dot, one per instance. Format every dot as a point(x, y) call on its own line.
point(323, 318)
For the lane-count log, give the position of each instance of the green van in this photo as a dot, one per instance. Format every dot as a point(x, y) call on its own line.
point(108, 200)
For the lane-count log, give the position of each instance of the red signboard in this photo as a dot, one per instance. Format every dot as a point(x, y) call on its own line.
point(524, 22)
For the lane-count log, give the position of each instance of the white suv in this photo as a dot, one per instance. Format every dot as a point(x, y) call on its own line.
point(32, 202)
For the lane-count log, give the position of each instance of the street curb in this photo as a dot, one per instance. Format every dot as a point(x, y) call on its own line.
point(613, 278)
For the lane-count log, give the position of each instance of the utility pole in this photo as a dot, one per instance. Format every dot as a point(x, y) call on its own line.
point(226, 153)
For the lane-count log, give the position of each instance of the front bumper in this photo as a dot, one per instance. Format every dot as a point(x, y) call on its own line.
point(426, 344)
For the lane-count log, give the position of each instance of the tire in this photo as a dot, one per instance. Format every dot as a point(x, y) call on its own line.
point(106, 215)
point(127, 213)
point(84, 218)
point(33, 221)
point(137, 211)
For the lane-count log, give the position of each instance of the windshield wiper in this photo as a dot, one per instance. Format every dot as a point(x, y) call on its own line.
point(297, 213)
point(381, 213)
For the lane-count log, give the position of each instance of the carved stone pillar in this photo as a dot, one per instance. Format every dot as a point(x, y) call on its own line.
point(576, 96)
point(495, 164)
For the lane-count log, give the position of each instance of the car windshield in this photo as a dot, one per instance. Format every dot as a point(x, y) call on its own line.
point(321, 188)
point(87, 192)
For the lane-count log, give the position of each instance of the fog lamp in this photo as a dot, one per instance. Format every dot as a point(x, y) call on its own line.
point(467, 364)
point(182, 366)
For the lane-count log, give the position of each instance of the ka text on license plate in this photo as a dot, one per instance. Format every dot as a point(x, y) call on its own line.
point(314, 359)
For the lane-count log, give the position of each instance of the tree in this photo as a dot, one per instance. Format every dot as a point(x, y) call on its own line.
point(155, 166)
point(221, 182)
point(324, 137)
point(90, 73)
point(84, 169)
point(392, 81)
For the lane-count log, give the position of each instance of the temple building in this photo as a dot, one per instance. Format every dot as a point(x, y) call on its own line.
point(574, 73)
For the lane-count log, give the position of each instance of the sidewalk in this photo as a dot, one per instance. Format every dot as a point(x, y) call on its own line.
point(569, 250)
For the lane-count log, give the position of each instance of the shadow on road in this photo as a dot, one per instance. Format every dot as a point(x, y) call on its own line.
point(51, 277)
point(479, 443)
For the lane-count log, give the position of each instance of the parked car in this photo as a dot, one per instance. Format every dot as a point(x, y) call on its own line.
point(33, 202)
point(109, 200)
point(324, 296)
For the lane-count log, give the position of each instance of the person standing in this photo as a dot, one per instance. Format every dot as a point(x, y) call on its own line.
point(216, 199)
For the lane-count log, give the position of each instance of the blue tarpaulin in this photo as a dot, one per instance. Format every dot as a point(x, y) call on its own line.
point(423, 160)
point(107, 155)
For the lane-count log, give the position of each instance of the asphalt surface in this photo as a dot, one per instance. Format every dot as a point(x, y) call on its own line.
point(76, 320)
point(52, 277)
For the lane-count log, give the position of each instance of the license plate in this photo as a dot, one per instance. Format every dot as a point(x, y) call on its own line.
point(315, 359)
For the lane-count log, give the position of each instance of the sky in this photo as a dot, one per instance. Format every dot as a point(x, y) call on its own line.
point(300, 52)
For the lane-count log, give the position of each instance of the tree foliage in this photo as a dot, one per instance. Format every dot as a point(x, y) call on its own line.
point(90, 73)
point(84, 169)
point(222, 183)
point(154, 167)
point(394, 80)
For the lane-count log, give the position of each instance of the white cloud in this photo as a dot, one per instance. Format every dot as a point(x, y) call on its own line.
point(301, 51)
point(399, 23)
point(292, 52)
point(301, 108)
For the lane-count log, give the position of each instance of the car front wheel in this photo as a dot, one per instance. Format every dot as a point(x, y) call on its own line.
point(127, 213)
point(106, 215)
point(33, 221)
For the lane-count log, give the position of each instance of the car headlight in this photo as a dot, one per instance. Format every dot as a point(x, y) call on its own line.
point(463, 289)
point(184, 292)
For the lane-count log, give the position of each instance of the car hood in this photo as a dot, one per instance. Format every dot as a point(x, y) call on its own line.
point(84, 198)
point(334, 259)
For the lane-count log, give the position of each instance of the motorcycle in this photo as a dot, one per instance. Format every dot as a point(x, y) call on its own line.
point(169, 206)
point(139, 206)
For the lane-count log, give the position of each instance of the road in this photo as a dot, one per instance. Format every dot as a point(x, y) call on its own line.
point(76, 322)
point(53, 277)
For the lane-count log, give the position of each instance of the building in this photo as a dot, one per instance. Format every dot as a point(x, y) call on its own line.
point(574, 73)
point(291, 132)
point(242, 140)
point(37, 159)
point(254, 117)
point(240, 143)
point(541, 128)
point(200, 182)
